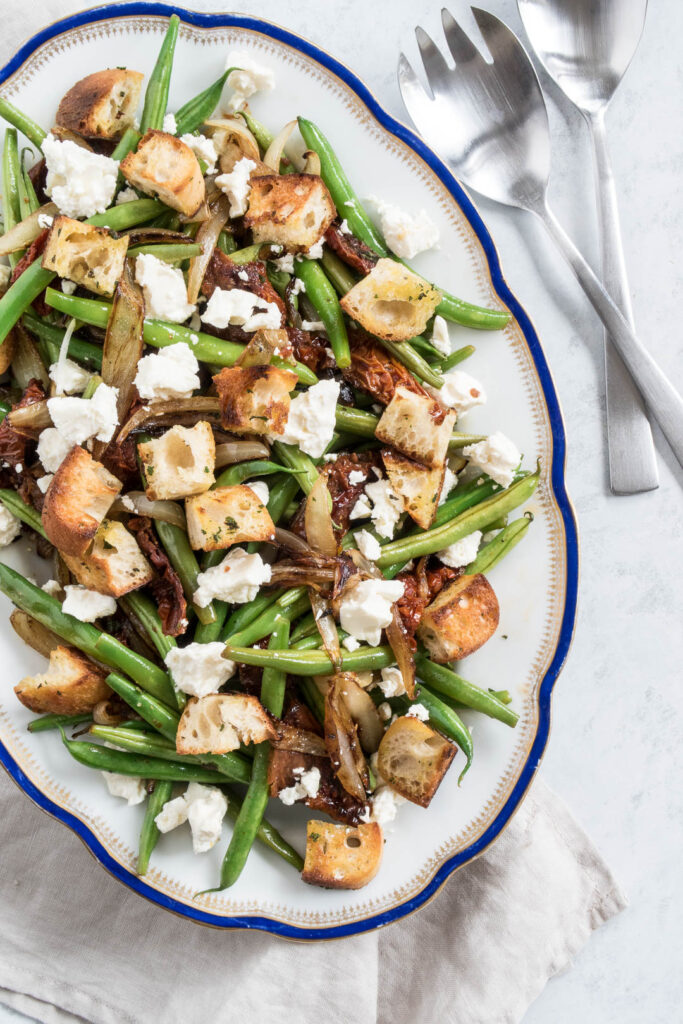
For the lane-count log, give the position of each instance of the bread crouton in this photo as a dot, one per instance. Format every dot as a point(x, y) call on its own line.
point(164, 166)
point(417, 426)
point(342, 856)
point(34, 633)
point(294, 210)
point(87, 255)
point(392, 302)
point(414, 759)
point(418, 487)
point(254, 399)
point(220, 722)
point(460, 619)
point(115, 565)
point(101, 105)
point(180, 462)
point(77, 500)
point(225, 516)
point(72, 685)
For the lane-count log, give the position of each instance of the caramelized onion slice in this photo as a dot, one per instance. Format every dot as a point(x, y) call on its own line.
point(30, 419)
point(123, 342)
point(225, 130)
point(318, 519)
point(327, 627)
point(164, 511)
point(273, 154)
point(230, 452)
point(26, 231)
point(312, 164)
point(300, 740)
point(363, 712)
point(341, 740)
point(204, 406)
point(207, 237)
point(400, 644)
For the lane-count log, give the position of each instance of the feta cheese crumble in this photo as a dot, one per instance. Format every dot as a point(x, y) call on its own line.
point(316, 250)
point(78, 419)
point(306, 786)
point(204, 149)
point(204, 807)
point(368, 546)
point(45, 220)
point(311, 421)
point(386, 507)
point(440, 336)
point(169, 124)
point(236, 579)
point(199, 669)
point(236, 185)
point(285, 263)
point(418, 711)
point(460, 391)
point(172, 372)
point(86, 605)
point(236, 306)
point(44, 482)
point(68, 377)
point(450, 480)
point(164, 289)
point(52, 449)
point(367, 608)
point(384, 805)
point(406, 234)
point(462, 552)
point(53, 588)
point(350, 643)
point(131, 788)
point(126, 195)
point(10, 526)
point(261, 490)
point(80, 182)
point(248, 78)
point(69, 287)
point(356, 476)
point(497, 455)
point(391, 684)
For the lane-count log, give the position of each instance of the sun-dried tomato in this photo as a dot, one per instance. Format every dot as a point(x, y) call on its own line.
point(344, 494)
point(252, 277)
point(377, 373)
point(120, 458)
point(311, 349)
point(35, 250)
point(166, 586)
point(15, 448)
point(350, 249)
point(419, 590)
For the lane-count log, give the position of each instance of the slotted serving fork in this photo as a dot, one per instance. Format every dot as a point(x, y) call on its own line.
point(489, 122)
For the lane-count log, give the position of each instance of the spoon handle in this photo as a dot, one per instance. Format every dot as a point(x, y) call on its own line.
point(664, 402)
point(632, 460)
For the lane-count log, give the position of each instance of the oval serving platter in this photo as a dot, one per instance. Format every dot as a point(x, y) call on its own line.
point(536, 584)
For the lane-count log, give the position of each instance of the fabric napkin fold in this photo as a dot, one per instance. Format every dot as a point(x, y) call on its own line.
point(76, 945)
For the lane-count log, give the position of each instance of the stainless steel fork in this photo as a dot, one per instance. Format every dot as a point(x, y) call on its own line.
point(489, 122)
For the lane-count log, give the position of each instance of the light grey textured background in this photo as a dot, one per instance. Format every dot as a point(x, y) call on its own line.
point(616, 749)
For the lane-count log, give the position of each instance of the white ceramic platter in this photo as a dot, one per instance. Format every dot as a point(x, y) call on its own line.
point(536, 584)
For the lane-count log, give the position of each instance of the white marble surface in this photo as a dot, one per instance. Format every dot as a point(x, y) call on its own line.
point(616, 749)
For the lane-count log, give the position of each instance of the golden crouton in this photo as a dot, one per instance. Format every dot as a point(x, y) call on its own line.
point(294, 210)
point(77, 500)
point(392, 302)
point(220, 722)
point(341, 856)
point(87, 255)
point(414, 759)
point(225, 516)
point(164, 166)
point(72, 685)
point(418, 487)
point(180, 462)
point(462, 617)
point(254, 399)
point(34, 633)
point(115, 565)
point(417, 426)
point(101, 105)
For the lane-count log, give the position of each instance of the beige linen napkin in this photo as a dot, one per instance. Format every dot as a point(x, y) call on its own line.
point(75, 944)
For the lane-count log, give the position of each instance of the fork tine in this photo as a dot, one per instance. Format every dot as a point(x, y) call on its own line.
point(415, 97)
point(501, 41)
point(459, 43)
point(434, 63)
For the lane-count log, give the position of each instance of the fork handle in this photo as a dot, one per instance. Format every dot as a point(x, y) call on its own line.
point(664, 402)
point(632, 460)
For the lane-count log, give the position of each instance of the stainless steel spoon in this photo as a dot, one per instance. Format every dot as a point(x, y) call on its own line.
point(586, 47)
point(490, 123)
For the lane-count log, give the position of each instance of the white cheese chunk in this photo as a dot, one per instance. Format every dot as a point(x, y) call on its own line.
point(68, 377)
point(236, 306)
point(236, 185)
point(45, 220)
point(172, 372)
point(172, 814)
point(86, 605)
point(356, 476)
point(460, 391)
point(284, 263)
point(306, 786)
point(260, 489)
point(350, 643)
point(164, 289)
point(78, 419)
point(311, 421)
point(248, 78)
point(384, 805)
point(52, 449)
point(462, 552)
point(418, 711)
point(440, 337)
point(392, 684)
point(126, 195)
point(130, 787)
point(367, 608)
point(450, 481)
point(362, 509)
point(406, 234)
point(368, 546)
point(10, 526)
point(316, 250)
point(205, 815)
point(44, 482)
point(386, 507)
point(497, 455)
point(80, 182)
point(169, 125)
point(199, 669)
point(236, 579)
point(344, 228)
point(53, 588)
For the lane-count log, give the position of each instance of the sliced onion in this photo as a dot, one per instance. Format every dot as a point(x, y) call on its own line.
point(273, 154)
point(327, 627)
point(26, 231)
point(66, 135)
point(318, 519)
point(300, 740)
point(26, 361)
point(106, 712)
point(290, 574)
point(31, 419)
point(363, 712)
point(207, 237)
point(164, 511)
point(123, 342)
point(312, 164)
point(292, 542)
point(230, 452)
point(341, 740)
point(154, 236)
point(232, 130)
point(203, 406)
point(400, 645)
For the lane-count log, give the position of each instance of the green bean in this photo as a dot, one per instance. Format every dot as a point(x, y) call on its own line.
point(456, 357)
point(313, 697)
point(208, 633)
point(226, 243)
point(279, 280)
point(81, 351)
point(321, 294)
point(491, 554)
point(404, 353)
point(245, 614)
point(281, 494)
point(339, 273)
point(11, 214)
point(268, 835)
point(28, 127)
point(26, 513)
point(349, 207)
point(92, 641)
point(425, 346)
point(141, 608)
point(312, 663)
point(31, 199)
point(103, 759)
point(447, 721)
point(455, 688)
point(136, 741)
point(46, 722)
point(476, 518)
point(127, 215)
point(263, 135)
point(5, 407)
point(184, 561)
point(307, 643)
point(290, 605)
point(149, 833)
point(156, 96)
point(172, 253)
point(305, 627)
point(297, 460)
point(255, 802)
point(242, 471)
point(196, 111)
point(253, 252)
point(126, 144)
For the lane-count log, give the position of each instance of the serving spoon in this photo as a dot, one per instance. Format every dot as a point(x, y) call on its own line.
point(489, 121)
point(586, 47)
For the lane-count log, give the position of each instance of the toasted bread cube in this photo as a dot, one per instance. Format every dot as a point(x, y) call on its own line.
point(418, 487)
point(101, 105)
point(115, 565)
point(462, 617)
point(72, 685)
point(392, 302)
point(180, 462)
point(254, 399)
point(342, 856)
point(87, 255)
point(225, 516)
point(294, 210)
point(220, 722)
point(417, 426)
point(164, 166)
point(77, 500)
point(414, 759)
